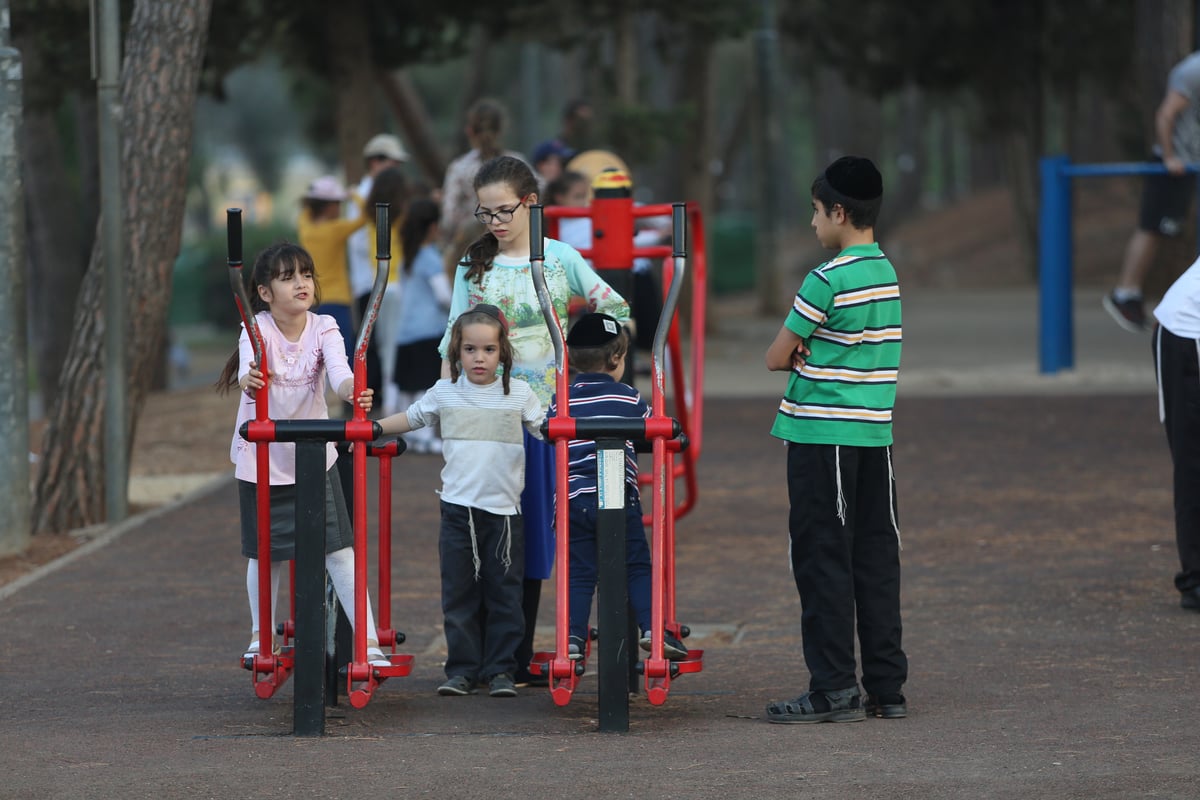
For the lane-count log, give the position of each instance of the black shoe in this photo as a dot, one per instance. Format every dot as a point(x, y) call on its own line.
point(457, 686)
point(1130, 314)
point(886, 706)
point(1190, 599)
point(502, 686)
point(673, 649)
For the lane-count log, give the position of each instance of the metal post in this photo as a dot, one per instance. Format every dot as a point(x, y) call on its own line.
point(1056, 349)
point(308, 706)
point(614, 649)
point(116, 424)
point(15, 523)
point(768, 139)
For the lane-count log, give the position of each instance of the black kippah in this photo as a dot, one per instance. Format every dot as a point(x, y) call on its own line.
point(855, 178)
point(593, 330)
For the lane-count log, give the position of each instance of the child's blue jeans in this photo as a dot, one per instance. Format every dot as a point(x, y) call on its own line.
point(583, 562)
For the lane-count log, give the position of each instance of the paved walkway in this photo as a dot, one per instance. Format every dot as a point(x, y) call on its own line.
point(1049, 658)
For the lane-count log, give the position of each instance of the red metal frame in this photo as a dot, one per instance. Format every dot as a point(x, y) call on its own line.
point(361, 678)
point(612, 251)
point(613, 224)
point(268, 670)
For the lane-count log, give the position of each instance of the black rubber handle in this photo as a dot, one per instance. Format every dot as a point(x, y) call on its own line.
point(383, 232)
point(537, 251)
point(233, 235)
point(679, 230)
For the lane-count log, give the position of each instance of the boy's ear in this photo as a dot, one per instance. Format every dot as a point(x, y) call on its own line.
point(837, 214)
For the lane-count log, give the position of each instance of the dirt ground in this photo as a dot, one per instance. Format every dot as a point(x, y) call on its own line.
point(1048, 655)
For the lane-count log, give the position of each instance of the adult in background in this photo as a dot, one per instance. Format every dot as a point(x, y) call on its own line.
point(1167, 198)
point(486, 119)
point(574, 135)
point(383, 151)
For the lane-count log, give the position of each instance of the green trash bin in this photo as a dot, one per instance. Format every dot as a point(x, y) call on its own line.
point(732, 257)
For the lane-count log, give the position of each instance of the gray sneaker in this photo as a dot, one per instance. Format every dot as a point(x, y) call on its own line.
point(502, 686)
point(457, 686)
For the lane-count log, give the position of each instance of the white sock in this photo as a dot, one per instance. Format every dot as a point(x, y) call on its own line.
point(1121, 294)
point(340, 566)
point(252, 591)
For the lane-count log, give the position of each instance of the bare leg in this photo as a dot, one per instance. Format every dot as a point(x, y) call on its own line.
point(1139, 257)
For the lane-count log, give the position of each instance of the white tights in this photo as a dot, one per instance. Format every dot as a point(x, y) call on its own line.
point(340, 566)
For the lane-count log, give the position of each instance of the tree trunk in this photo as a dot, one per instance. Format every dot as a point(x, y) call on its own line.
point(699, 144)
point(904, 198)
point(353, 78)
point(164, 47)
point(410, 110)
point(56, 266)
point(57, 221)
point(625, 62)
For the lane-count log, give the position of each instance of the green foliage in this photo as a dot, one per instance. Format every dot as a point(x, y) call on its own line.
point(644, 133)
point(58, 31)
point(1000, 50)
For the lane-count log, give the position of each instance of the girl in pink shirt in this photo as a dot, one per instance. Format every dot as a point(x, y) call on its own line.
point(302, 351)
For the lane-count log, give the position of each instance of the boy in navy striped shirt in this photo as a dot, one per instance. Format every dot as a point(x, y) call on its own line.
point(597, 347)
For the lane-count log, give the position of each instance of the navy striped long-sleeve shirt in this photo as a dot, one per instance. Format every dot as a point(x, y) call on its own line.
point(594, 394)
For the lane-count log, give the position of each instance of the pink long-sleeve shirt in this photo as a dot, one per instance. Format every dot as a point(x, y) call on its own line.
point(296, 387)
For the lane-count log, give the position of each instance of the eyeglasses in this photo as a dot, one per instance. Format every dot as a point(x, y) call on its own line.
point(500, 215)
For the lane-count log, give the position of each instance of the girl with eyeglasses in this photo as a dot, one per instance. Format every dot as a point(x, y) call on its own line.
point(495, 270)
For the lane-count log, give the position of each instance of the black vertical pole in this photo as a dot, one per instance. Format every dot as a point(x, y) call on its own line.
point(308, 707)
point(612, 615)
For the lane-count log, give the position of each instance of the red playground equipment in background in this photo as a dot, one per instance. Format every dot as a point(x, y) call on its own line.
point(613, 214)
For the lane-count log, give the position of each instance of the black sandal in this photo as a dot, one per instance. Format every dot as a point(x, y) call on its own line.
point(841, 706)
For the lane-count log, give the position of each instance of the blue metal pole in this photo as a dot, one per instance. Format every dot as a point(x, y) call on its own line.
point(1055, 346)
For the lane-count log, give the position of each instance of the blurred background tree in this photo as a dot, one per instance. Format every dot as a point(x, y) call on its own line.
point(951, 100)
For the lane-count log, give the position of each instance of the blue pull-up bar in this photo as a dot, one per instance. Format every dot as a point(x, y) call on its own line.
point(1056, 346)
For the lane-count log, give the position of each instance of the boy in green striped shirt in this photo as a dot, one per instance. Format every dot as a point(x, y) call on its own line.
point(840, 344)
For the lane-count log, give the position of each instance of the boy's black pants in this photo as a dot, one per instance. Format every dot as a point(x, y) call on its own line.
point(1179, 389)
point(846, 562)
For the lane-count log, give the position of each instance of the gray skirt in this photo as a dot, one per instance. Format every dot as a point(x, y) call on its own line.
point(339, 531)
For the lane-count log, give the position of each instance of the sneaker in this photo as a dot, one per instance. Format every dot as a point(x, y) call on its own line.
point(886, 706)
point(502, 686)
point(1129, 313)
point(457, 686)
point(673, 649)
point(576, 648)
point(843, 705)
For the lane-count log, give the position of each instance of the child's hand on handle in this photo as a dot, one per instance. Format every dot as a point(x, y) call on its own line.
point(346, 392)
point(252, 381)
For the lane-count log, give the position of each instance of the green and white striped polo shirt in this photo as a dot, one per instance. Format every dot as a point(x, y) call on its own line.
point(848, 311)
